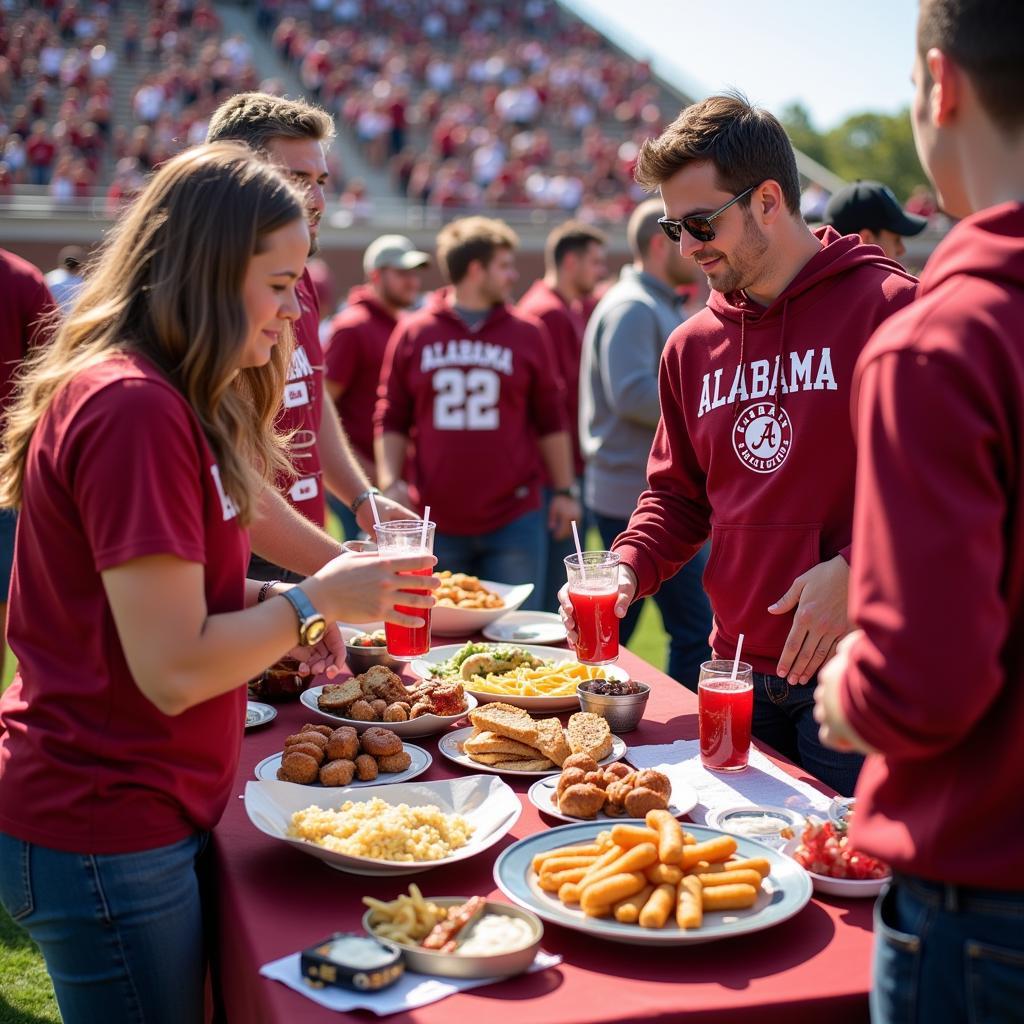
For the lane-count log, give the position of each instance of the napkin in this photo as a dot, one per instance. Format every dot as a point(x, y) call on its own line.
point(762, 782)
point(408, 993)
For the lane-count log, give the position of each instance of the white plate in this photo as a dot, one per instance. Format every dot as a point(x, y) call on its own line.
point(425, 725)
point(527, 628)
point(451, 746)
point(786, 891)
point(542, 796)
point(257, 714)
point(539, 705)
point(851, 888)
point(421, 761)
point(466, 621)
point(485, 801)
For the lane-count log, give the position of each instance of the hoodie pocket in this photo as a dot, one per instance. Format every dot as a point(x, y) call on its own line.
point(751, 567)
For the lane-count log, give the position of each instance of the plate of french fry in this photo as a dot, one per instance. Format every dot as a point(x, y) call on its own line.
point(653, 881)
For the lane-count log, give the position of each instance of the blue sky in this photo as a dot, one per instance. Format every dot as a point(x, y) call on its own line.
point(838, 57)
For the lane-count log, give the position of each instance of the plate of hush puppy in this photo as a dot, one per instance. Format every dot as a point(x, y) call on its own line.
point(319, 755)
point(586, 790)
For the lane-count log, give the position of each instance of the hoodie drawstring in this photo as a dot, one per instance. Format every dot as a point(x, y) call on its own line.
point(743, 339)
point(777, 402)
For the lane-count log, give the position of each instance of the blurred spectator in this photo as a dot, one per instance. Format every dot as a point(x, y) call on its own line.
point(922, 202)
point(66, 280)
point(359, 336)
point(869, 209)
point(40, 152)
point(813, 201)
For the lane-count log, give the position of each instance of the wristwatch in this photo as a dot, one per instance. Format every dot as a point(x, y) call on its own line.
point(354, 507)
point(312, 624)
point(572, 491)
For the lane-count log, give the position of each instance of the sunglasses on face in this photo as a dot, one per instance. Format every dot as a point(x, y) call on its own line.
point(698, 226)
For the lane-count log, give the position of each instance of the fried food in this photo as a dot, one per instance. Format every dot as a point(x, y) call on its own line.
point(366, 768)
point(380, 683)
point(689, 903)
point(379, 707)
point(344, 743)
point(569, 777)
point(338, 773)
point(324, 730)
point(590, 734)
point(298, 767)
point(582, 761)
point(670, 835)
point(394, 762)
point(361, 711)
point(381, 742)
point(407, 919)
point(459, 590)
point(336, 697)
point(656, 910)
point(311, 749)
point(309, 736)
point(581, 800)
point(396, 712)
point(551, 741)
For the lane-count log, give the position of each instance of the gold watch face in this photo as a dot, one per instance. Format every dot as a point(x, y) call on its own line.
point(315, 632)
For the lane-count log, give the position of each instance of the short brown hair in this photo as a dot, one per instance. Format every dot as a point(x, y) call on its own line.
point(569, 237)
point(256, 118)
point(746, 145)
point(469, 239)
point(986, 39)
point(643, 226)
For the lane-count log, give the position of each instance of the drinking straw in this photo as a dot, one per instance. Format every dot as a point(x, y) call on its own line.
point(426, 523)
point(736, 660)
point(373, 509)
point(579, 549)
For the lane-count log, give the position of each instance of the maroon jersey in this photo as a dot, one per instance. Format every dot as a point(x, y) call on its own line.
point(118, 468)
point(25, 303)
point(354, 356)
point(474, 403)
point(302, 407)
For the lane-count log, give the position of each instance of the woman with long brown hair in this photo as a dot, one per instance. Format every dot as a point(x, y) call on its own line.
point(136, 451)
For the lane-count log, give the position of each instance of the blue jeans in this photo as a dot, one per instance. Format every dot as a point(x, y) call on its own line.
point(684, 608)
point(784, 719)
point(122, 934)
point(947, 954)
point(515, 553)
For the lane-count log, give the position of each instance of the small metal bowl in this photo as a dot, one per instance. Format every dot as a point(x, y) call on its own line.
point(360, 659)
point(622, 712)
point(452, 965)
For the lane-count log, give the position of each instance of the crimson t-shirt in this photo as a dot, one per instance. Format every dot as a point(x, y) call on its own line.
point(25, 305)
point(474, 402)
point(355, 353)
point(118, 469)
point(301, 409)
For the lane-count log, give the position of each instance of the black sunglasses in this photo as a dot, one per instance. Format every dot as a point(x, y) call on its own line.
point(697, 226)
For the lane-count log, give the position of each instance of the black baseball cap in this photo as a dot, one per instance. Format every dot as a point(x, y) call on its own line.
point(870, 206)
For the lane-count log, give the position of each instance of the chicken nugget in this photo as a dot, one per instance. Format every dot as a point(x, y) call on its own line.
point(615, 770)
point(338, 772)
point(379, 707)
point(582, 761)
point(395, 762)
point(308, 736)
point(298, 767)
point(362, 711)
point(420, 708)
point(344, 743)
point(380, 742)
point(311, 749)
point(658, 781)
point(583, 800)
point(324, 730)
point(569, 777)
point(366, 768)
point(395, 713)
point(641, 800)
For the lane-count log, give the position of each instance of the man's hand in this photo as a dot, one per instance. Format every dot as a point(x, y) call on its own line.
point(561, 512)
point(388, 508)
point(325, 658)
point(833, 729)
point(627, 590)
point(819, 597)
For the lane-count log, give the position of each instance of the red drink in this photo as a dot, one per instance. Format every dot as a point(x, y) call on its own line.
point(410, 641)
point(725, 707)
point(597, 625)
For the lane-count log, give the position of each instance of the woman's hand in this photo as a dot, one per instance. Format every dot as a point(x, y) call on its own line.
point(324, 658)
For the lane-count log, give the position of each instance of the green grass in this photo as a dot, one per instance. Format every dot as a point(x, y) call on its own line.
point(26, 995)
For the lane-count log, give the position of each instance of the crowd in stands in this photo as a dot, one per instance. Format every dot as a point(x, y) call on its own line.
point(472, 105)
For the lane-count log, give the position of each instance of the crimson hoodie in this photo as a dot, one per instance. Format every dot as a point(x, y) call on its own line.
point(565, 327)
point(936, 683)
point(473, 403)
point(754, 446)
point(353, 359)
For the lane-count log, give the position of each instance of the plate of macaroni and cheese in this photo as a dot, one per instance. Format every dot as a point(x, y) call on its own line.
point(399, 829)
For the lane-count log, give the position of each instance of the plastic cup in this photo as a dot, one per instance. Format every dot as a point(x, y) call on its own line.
point(401, 539)
point(725, 706)
point(593, 591)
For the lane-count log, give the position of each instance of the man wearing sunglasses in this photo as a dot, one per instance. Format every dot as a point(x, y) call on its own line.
point(754, 447)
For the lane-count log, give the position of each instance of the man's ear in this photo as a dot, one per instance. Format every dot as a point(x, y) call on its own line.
point(946, 89)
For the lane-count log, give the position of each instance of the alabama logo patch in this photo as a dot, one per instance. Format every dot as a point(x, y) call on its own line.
point(762, 437)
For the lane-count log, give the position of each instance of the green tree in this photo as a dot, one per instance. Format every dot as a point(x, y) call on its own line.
point(796, 119)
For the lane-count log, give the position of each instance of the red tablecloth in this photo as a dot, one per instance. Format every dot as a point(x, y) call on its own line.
point(273, 900)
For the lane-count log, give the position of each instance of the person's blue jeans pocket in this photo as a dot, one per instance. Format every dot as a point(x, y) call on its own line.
point(994, 979)
point(16, 877)
point(897, 968)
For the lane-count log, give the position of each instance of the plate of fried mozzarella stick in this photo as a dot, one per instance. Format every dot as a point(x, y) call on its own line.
point(652, 881)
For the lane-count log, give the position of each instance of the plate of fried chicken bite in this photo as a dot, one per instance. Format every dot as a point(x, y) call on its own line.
point(586, 790)
point(378, 697)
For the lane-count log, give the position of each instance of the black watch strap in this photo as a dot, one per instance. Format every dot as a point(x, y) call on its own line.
point(354, 507)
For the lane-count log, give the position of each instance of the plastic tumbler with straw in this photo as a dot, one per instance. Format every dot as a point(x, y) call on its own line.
point(402, 538)
point(725, 705)
point(593, 590)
